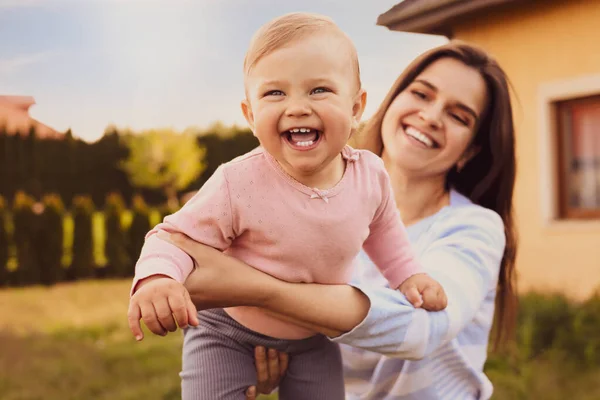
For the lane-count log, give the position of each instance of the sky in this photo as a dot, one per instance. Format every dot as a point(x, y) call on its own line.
point(144, 64)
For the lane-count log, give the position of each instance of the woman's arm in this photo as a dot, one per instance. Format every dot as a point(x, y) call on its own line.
point(224, 281)
point(464, 260)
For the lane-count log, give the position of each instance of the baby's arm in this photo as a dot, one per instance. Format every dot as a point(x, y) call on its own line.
point(206, 218)
point(389, 248)
point(157, 290)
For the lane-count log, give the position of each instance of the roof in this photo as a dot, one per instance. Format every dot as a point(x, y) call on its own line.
point(433, 16)
point(14, 117)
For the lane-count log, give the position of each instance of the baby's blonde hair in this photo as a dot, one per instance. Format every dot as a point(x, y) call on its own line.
point(283, 30)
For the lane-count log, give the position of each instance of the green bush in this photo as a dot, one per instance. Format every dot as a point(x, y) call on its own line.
point(140, 225)
point(581, 340)
point(26, 228)
point(556, 354)
point(115, 246)
point(82, 264)
point(3, 244)
point(51, 239)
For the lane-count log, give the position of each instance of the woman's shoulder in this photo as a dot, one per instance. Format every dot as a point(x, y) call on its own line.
point(463, 216)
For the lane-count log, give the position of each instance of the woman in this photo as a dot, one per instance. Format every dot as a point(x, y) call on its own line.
point(445, 133)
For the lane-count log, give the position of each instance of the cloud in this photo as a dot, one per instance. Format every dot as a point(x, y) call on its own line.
point(13, 64)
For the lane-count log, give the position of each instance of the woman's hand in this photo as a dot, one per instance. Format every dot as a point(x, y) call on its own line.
point(220, 281)
point(269, 371)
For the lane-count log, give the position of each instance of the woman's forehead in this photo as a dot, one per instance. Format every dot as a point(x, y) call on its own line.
point(456, 82)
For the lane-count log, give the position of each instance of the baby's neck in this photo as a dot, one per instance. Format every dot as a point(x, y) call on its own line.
point(323, 179)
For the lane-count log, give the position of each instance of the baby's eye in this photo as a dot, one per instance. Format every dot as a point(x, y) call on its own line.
point(320, 90)
point(273, 93)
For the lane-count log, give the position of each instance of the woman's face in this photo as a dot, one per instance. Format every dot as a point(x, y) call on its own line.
point(429, 126)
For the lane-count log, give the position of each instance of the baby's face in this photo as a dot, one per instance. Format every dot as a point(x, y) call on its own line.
point(302, 102)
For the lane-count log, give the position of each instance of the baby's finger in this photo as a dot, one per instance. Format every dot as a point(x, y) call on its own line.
point(151, 320)
point(164, 314)
point(179, 310)
point(133, 318)
point(412, 294)
point(191, 310)
point(431, 299)
point(443, 298)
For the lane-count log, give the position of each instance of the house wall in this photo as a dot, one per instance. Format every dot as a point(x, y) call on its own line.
point(549, 49)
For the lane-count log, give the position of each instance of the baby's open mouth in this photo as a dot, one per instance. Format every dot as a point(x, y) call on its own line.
point(302, 137)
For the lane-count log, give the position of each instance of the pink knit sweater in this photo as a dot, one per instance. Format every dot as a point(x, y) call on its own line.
point(252, 210)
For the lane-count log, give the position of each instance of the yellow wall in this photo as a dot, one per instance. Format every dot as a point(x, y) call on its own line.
point(553, 40)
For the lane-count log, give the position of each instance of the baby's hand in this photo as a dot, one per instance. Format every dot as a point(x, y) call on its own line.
point(156, 301)
point(423, 291)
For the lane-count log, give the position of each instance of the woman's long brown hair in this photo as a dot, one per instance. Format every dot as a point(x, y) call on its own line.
point(488, 179)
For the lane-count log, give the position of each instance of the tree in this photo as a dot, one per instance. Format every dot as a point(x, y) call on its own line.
point(50, 240)
point(115, 246)
point(82, 265)
point(163, 159)
point(3, 244)
point(140, 225)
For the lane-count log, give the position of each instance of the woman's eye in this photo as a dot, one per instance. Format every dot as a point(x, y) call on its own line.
point(274, 93)
point(419, 94)
point(320, 90)
point(459, 119)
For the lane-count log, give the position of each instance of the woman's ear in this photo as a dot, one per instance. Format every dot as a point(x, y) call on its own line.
point(248, 114)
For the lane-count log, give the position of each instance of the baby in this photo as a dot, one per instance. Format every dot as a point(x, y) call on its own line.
point(300, 207)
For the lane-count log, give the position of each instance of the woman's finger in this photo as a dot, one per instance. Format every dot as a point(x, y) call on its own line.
point(262, 369)
point(178, 239)
point(273, 366)
point(251, 393)
point(283, 364)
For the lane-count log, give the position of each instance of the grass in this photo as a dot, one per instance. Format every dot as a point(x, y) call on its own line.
point(71, 341)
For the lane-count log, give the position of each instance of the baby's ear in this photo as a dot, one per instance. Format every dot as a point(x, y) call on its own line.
point(248, 114)
point(360, 102)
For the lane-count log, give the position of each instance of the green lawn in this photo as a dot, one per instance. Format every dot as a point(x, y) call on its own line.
point(71, 341)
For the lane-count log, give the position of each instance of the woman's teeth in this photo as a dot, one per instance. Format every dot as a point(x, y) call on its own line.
point(414, 133)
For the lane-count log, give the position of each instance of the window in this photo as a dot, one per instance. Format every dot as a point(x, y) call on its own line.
point(578, 156)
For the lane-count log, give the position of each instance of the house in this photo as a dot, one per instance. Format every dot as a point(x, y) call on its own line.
point(549, 50)
point(14, 117)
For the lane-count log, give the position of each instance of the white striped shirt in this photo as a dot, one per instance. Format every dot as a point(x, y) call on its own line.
point(402, 353)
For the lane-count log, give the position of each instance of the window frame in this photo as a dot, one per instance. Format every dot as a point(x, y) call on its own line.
point(548, 94)
point(565, 211)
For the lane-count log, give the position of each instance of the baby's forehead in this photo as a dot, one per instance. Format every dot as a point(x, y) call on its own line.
point(341, 48)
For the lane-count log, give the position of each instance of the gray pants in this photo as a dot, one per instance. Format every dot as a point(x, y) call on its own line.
point(218, 362)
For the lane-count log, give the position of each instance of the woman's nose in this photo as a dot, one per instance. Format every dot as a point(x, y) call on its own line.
point(432, 115)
